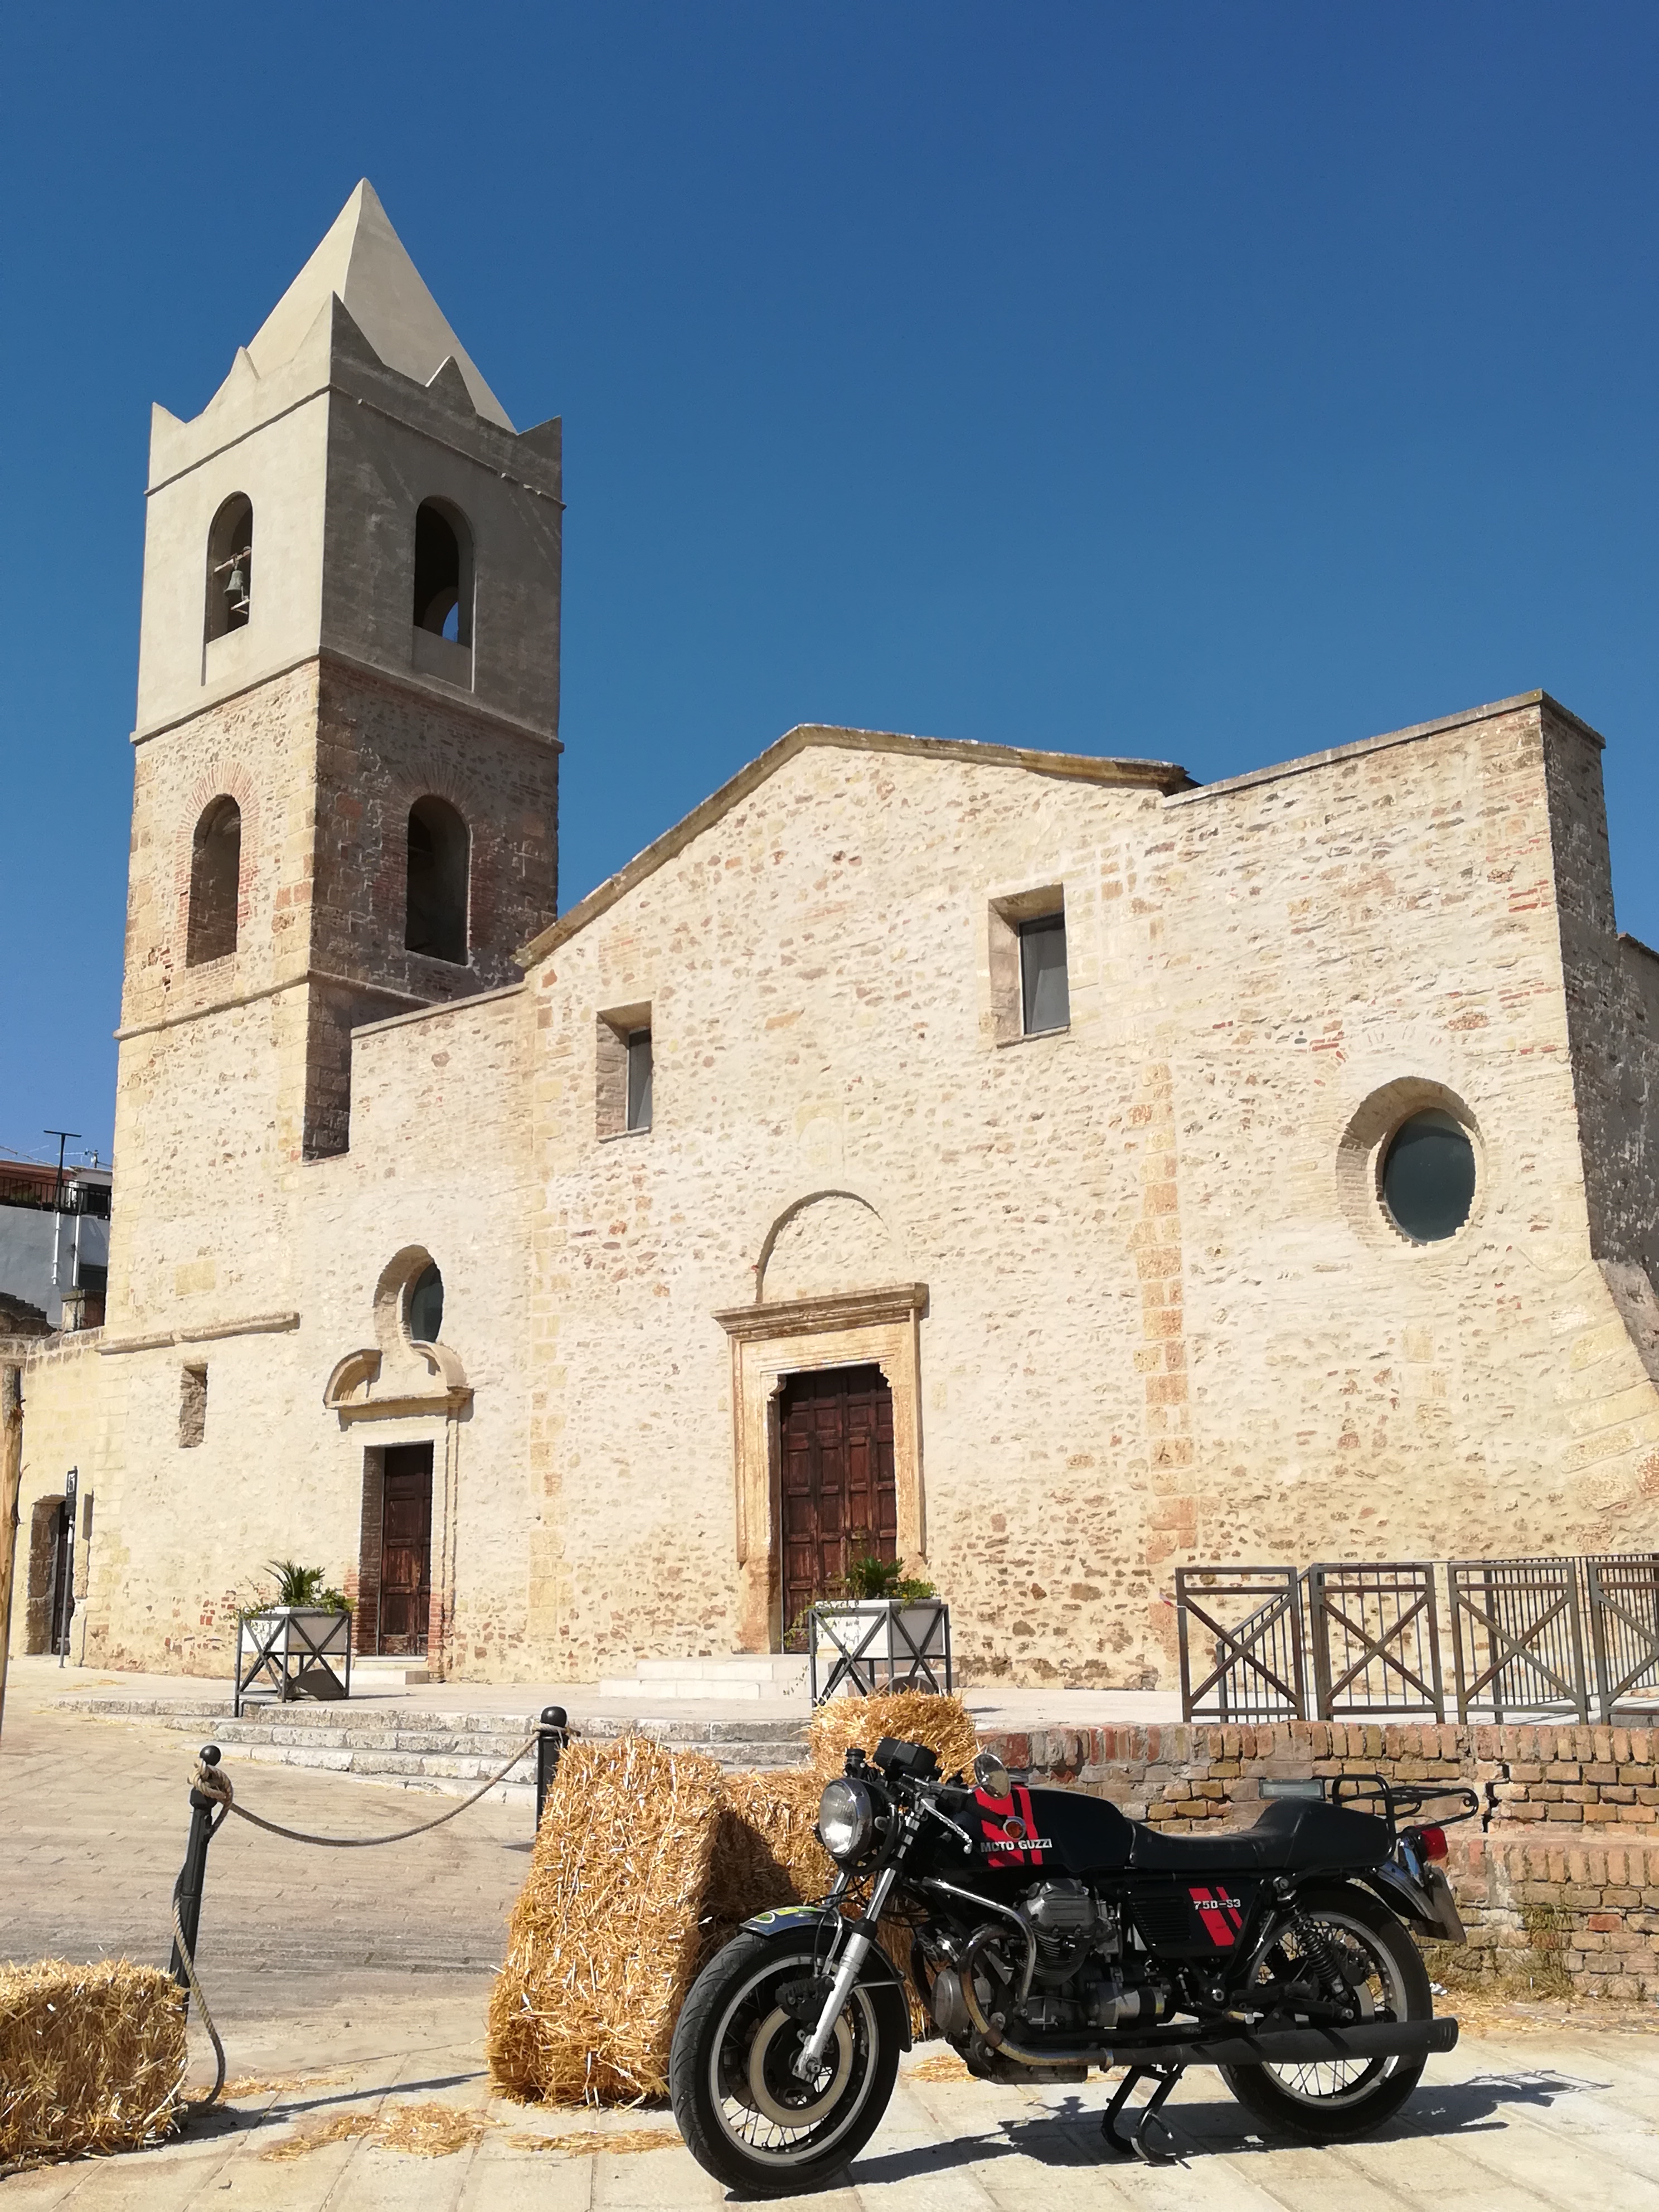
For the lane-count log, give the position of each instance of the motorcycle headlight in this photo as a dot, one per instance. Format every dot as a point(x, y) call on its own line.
point(847, 1820)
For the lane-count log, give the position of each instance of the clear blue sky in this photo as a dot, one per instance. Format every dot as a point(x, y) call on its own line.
point(1210, 382)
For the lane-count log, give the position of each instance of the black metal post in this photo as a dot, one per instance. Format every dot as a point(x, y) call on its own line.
point(551, 1741)
point(187, 1890)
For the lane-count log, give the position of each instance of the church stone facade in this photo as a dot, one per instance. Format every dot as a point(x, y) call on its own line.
point(982, 1147)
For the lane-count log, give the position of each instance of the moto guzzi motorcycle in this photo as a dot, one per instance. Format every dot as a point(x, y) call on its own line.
point(1051, 1934)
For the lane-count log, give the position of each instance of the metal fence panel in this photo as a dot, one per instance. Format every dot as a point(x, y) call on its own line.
point(1622, 1591)
point(1376, 1636)
point(1517, 1638)
point(1241, 1644)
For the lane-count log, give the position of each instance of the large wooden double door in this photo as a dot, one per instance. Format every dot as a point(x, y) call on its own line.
point(837, 1497)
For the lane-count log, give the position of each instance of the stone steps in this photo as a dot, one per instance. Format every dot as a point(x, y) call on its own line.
point(746, 1678)
point(447, 1753)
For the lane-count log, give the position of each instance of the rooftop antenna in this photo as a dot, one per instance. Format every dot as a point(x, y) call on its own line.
point(62, 1136)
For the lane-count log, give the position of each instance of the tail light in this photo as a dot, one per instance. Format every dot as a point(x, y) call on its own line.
point(1433, 1841)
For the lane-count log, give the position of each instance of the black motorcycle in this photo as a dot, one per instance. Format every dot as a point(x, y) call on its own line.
point(1050, 1934)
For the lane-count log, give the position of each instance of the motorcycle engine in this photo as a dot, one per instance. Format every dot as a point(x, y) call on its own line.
point(1078, 1984)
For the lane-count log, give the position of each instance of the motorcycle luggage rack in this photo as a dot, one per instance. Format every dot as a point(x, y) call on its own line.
point(1406, 1798)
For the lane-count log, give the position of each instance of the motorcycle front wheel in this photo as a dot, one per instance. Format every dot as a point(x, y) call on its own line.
point(746, 2117)
point(1332, 2100)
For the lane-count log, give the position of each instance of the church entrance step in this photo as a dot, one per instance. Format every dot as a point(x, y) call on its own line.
point(746, 1678)
point(449, 1754)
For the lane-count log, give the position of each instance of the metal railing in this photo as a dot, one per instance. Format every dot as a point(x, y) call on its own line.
point(42, 1191)
point(1249, 1624)
point(1622, 1590)
point(1365, 1635)
point(1375, 1636)
point(1517, 1638)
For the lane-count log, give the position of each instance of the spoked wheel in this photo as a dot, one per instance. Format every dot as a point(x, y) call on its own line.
point(747, 2118)
point(1328, 2100)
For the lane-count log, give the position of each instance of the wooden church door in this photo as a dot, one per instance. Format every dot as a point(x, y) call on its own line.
point(838, 1500)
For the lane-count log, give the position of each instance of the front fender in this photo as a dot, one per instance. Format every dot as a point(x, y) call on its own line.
point(1429, 1903)
point(785, 1922)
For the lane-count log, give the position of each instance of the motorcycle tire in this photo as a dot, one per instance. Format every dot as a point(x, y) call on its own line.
point(1310, 2102)
point(745, 2117)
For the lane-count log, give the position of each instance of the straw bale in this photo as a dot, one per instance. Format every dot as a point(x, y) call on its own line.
point(646, 1863)
point(92, 2058)
point(944, 1724)
point(605, 1937)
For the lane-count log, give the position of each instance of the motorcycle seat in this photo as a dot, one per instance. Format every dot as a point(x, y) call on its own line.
point(1289, 1832)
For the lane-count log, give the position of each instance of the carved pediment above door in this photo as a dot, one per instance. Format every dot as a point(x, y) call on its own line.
point(370, 1385)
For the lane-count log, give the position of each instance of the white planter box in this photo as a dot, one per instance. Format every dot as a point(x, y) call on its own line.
point(294, 1651)
point(864, 1647)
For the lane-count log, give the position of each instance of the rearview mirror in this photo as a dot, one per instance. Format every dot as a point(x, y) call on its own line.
point(992, 1775)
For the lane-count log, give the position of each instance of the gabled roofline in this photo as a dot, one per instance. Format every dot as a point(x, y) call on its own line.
point(1163, 776)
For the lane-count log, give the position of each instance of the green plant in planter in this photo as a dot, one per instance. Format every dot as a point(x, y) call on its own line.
point(297, 1586)
point(870, 1578)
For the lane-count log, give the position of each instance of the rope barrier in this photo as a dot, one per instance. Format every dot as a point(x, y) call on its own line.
point(200, 2104)
point(214, 1782)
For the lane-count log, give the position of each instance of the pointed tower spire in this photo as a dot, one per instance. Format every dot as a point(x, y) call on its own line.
point(363, 262)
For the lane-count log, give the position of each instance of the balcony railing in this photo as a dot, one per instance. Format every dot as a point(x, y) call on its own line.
point(43, 1192)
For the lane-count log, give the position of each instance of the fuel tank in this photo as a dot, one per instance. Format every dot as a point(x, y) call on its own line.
point(1031, 1832)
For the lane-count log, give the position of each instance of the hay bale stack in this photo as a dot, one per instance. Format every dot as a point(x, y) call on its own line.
point(92, 2058)
point(646, 1862)
point(944, 1724)
point(605, 1937)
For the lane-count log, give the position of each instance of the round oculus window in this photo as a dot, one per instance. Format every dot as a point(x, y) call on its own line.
point(426, 1305)
point(1428, 1176)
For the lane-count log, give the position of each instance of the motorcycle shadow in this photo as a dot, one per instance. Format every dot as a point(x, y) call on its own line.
point(1068, 2134)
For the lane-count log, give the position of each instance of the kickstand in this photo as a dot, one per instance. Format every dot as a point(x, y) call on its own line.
point(1157, 2149)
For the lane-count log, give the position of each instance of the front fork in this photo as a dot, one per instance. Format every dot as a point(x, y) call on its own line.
point(854, 1950)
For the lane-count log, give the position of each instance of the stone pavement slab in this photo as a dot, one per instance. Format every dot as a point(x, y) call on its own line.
point(1563, 2122)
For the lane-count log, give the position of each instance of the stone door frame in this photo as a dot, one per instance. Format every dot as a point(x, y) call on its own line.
point(859, 1328)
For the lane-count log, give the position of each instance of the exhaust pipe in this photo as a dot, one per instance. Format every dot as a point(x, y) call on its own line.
point(1298, 2046)
point(1283, 2046)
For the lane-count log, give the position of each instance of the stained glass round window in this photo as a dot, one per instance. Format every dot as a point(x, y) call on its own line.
point(1428, 1176)
point(426, 1305)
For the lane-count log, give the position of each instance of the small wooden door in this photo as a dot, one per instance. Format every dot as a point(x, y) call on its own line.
point(837, 1496)
point(406, 1548)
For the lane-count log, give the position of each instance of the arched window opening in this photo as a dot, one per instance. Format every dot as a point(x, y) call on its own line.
point(230, 567)
point(439, 857)
point(443, 572)
point(216, 872)
point(1428, 1176)
point(426, 1305)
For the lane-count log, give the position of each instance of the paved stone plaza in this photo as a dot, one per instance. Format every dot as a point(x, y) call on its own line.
point(352, 1983)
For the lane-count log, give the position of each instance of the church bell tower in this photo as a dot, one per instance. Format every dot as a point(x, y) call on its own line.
point(346, 784)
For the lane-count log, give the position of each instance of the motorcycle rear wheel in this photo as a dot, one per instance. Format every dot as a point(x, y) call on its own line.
point(1336, 2102)
point(745, 2117)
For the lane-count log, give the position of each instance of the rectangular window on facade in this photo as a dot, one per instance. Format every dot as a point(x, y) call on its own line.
point(622, 1069)
point(1031, 987)
point(639, 1078)
point(193, 1406)
point(1044, 1001)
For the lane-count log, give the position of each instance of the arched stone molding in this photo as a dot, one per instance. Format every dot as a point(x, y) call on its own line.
point(1364, 1146)
point(827, 1243)
point(772, 1340)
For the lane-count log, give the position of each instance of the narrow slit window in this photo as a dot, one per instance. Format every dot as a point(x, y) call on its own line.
point(639, 1078)
point(1045, 1002)
point(192, 1407)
